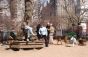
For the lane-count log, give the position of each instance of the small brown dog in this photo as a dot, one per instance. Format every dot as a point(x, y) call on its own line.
point(81, 42)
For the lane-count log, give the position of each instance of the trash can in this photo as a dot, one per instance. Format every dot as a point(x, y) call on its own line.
point(5, 35)
point(0, 36)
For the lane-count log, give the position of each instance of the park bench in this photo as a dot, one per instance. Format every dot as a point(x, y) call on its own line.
point(21, 44)
point(26, 44)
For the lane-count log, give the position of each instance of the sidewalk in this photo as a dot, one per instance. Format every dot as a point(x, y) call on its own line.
point(51, 51)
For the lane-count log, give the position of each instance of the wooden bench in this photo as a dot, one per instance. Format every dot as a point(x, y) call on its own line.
point(26, 44)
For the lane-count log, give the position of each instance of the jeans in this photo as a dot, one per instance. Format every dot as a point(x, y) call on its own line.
point(46, 40)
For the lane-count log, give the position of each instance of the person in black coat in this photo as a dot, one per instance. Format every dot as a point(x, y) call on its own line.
point(48, 30)
point(37, 31)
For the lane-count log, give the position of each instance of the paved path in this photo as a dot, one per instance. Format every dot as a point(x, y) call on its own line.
point(51, 51)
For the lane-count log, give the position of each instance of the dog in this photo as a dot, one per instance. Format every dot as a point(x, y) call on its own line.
point(81, 42)
point(61, 39)
point(73, 41)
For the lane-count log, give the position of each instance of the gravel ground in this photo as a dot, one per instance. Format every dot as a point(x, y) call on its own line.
point(51, 51)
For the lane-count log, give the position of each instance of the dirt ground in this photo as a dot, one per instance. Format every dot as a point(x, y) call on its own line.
point(51, 51)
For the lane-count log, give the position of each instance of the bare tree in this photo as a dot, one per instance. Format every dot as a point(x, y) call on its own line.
point(37, 7)
point(77, 15)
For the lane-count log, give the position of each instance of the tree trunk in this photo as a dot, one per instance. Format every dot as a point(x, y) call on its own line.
point(17, 13)
point(28, 11)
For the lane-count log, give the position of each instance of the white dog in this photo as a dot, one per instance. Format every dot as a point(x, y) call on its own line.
point(73, 41)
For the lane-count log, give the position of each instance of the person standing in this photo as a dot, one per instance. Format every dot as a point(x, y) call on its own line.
point(48, 30)
point(52, 30)
point(43, 32)
point(37, 31)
